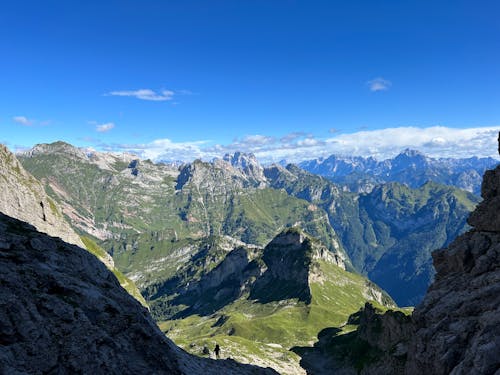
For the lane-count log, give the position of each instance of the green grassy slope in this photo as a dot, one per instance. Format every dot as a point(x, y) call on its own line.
point(389, 233)
point(252, 332)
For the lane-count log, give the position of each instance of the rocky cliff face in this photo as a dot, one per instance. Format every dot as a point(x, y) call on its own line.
point(248, 164)
point(63, 311)
point(390, 233)
point(23, 197)
point(289, 260)
point(457, 326)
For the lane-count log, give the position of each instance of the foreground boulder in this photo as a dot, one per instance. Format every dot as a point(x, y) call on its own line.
point(63, 311)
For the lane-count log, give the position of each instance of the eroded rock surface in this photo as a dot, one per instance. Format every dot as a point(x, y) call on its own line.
point(23, 197)
point(457, 325)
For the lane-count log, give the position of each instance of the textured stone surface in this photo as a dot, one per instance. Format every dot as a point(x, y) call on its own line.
point(23, 197)
point(486, 217)
point(63, 311)
point(457, 325)
point(384, 331)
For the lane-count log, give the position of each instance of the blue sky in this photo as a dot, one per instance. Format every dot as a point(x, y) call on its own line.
point(284, 79)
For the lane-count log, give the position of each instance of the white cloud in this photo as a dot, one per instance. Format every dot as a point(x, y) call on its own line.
point(308, 142)
point(23, 120)
point(436, 141)
point(379, 84)
point(257, 140)
point(145, 94)
point(164, 150)
point(102, 128)
point(292, 136)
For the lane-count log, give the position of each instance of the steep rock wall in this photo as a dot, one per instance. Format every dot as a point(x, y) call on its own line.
point(63, 311)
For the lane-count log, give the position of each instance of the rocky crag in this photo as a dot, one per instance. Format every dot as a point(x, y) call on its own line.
point(23, 197)
point(457, 325)
point(63, 311)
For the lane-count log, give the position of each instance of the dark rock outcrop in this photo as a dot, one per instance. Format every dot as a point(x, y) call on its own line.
point(377, 347)
point(289, 260)
point(63, 311)
point(457, 325)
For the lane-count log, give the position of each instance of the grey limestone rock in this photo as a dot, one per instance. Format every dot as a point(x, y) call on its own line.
point(62, 311)
point(23, 197)
point(457, 325)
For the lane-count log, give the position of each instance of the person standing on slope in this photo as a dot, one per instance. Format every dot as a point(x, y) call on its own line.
point(217, 351)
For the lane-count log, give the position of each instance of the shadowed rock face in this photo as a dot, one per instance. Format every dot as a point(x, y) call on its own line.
point(63, 311)
point(457, 325)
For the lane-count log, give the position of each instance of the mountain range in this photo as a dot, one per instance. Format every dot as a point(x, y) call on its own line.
point(151, 217)
point(410, 167)
point(222, 246)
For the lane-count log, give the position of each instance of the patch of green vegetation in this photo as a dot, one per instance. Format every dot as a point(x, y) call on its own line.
point(53, 207)
point(268, 330)
point(93, 248)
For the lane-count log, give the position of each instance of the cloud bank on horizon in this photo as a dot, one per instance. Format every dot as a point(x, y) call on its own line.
point(436, 141)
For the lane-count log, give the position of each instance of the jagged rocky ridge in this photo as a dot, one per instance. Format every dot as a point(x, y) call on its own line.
point(280, 271)
point(63, 311)
point(152, 217)
point(411, 167)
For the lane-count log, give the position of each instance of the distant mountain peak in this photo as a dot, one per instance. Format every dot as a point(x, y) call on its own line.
point(55, 147)
point(241, 159)
point(410, 166)
point(411, 152)
point(248, 164)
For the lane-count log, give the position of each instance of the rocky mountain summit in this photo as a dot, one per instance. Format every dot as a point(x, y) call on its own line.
point(410, 167)
point(283, 270)
point(63, 311)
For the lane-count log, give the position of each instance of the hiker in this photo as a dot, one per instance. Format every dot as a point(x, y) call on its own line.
point(217, 351)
